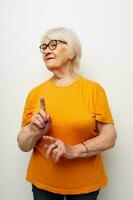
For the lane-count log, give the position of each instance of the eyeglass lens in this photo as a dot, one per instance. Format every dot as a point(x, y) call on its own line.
point(52, 45)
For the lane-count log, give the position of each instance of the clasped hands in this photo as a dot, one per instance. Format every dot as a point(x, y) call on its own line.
point(41, 124)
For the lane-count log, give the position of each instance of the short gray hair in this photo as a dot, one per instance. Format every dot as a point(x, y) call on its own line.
point(69, 36)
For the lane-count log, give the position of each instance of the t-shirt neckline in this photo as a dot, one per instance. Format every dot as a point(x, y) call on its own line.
point(67, 86)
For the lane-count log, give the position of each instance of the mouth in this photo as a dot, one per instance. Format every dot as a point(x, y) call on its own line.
point(50, 58)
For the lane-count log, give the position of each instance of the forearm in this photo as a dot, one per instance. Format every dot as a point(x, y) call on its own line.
point(27, 139)
point(79, 151)
point(94, 145)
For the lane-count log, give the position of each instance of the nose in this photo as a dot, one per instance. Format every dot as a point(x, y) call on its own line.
point(47, 50)
point(47, 53)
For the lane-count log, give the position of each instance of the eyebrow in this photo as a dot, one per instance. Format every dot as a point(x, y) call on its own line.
point(55, 40)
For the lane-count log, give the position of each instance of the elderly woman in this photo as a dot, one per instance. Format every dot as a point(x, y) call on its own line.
point(67, 122)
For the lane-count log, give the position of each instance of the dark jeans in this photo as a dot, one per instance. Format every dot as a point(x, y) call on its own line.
point(39, 194)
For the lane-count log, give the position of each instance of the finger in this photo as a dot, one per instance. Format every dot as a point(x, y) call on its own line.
point(42, 103)
point(59, 154)
point(37, 123)
point(54, 152)
point(48, 117)
point(43, 115)
point(51, 139)
point(47, 127)
point(60, 148)
point(40, 119)
point(49, 150)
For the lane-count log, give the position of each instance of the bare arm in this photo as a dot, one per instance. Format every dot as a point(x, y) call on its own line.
point(27, 138)
point(105, 140)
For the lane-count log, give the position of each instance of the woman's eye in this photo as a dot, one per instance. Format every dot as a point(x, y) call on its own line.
point(43, 47)
point(53, 45)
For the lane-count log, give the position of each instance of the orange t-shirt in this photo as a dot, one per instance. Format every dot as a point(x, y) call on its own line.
point(74, 110)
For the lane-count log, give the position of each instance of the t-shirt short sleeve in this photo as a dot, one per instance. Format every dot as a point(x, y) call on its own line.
point(102, 109)
point(28, 111)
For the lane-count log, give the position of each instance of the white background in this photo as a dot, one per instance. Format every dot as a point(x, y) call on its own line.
point(105, 28)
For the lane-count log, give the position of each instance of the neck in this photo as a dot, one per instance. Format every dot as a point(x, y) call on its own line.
point(65, 72)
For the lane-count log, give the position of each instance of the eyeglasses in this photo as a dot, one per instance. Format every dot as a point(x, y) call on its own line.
point(52, 45)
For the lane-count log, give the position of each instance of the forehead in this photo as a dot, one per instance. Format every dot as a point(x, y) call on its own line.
point(47, 40)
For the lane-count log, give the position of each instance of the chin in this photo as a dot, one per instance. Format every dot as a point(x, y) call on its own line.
point(50, 67)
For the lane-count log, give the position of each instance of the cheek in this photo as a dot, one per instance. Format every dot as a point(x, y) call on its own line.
point(43, 57)
point(63, 55)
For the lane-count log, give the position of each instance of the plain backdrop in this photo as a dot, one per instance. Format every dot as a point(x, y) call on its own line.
point(105, 28)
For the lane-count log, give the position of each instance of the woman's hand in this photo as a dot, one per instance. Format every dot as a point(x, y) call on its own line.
point(41, 121)
point(57, 148)
point(30, 134)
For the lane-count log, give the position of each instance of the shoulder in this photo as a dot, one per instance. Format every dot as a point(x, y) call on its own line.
point(91, 84)
point(37, 89)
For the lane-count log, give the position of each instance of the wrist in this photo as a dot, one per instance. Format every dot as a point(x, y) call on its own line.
point(86, 150)
point(35, 136)
point(35, 131)
point(79, 150)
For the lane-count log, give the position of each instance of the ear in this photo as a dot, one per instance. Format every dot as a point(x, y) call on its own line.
point(71, 55)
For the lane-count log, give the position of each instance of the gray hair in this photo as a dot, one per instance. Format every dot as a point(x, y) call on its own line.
point(69, 36)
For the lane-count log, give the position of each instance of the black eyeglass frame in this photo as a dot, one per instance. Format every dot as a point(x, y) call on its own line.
point(47, 45)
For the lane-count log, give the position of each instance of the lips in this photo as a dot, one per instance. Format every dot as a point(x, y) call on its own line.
point(49, 58)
